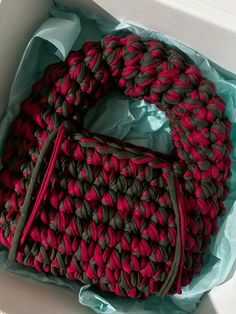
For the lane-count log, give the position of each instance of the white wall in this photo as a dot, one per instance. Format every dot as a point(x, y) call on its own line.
point(18, 21)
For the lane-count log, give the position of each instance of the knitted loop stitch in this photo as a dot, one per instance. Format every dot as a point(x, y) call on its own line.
point(95, 209)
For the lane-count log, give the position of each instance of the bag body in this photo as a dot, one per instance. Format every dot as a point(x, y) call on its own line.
point(95, 209)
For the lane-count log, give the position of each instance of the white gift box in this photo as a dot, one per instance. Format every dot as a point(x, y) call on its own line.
point(207, 26)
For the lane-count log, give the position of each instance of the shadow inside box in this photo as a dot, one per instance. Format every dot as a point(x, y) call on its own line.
point(206, 306)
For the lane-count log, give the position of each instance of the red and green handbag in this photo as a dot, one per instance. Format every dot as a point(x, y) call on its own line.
point(95, 209)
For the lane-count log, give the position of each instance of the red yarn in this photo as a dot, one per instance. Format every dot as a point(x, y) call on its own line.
point(44, 185)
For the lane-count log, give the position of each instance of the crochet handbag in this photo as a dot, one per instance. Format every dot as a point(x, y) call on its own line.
point(92, 208)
